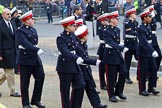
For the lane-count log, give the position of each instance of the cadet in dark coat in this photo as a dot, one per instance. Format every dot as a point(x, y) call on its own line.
point(8, 51)
point(104, 24)
point(15, 17)
point(67, 66)
point(99, 11)
point(29, 61)
point(92, 94)
point(115, 65)
point(130, 40)
point(146, 57)
point(154, 43)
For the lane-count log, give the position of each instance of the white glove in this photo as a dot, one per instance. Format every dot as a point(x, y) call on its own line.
point(121, 43)
point(79, 60)
point(98, 62)
point(125, 50)
point(155, 54)
point(40, 51)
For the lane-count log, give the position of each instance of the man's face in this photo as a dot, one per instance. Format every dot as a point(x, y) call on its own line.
point(79, 12)
point(6, 15)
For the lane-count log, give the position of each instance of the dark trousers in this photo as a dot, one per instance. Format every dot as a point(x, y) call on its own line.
point(102, 73)
point(147, 67)
point(78, 84)
point(49, 16)
point(91, 92)
point(25, 74)
point(114, 84)
point(128, 58)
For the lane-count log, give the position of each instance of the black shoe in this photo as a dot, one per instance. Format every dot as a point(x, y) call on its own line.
point(16, 94)
point(104, 88)
point(121, 96)
point(144, 93)
point(27, 106)
point(129, 81)
point(100, 106)
point(153, 91)
point(113, 99)
point(0, 94)
point(38, 104)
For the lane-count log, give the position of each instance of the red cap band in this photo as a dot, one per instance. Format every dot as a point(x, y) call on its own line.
point(68, 23)
point(83, 34)
point(145, 14)
point(102, 19)
point(113, 16)
point(27, 17)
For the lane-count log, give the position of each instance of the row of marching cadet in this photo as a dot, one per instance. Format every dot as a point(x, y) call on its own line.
point(114, 57)
point(73, 56)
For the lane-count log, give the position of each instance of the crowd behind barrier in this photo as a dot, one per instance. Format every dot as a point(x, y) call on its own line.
point(62, 10)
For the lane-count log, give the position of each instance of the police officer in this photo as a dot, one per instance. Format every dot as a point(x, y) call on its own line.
point(146, 57)
point(130, 40)
point(115, 65)
point(29, 61)
point(92, 94)
point(67, 66)
point(104, 24)
point(154, 43)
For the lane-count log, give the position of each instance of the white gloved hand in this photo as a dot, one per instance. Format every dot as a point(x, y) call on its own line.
point(125, 50)
point(40, 51)
point(121, 44)
point(155, 54)
point(98, 62)
point(79, 60)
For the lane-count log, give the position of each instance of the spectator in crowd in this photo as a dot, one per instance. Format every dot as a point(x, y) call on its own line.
point(7, 51)
point(128, 4)
point(49, 11)
point(156, 4)
point(1, 8)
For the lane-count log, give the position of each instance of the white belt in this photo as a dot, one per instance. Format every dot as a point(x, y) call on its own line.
point(73, 52)
point(83, 64)
point(108, 46)
point(130, 36)
point(149, 41)
point(153, 32)
point(21, 47)
point(101, 41)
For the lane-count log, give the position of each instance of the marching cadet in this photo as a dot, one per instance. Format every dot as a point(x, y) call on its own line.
point(104, 24)
point(115, 65)
point(130, 40)
point(82, 51)
point(67, 66)
point(15, 17)
point(79, 22)
point(29, 61)
point(146, 57)
point(154, 43)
